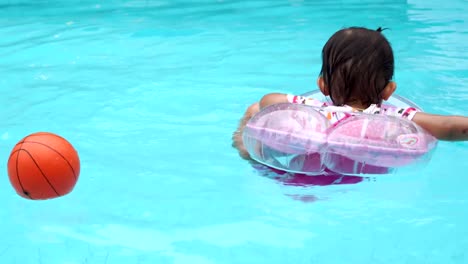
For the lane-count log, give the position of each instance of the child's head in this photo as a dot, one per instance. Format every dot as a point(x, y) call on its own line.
point(357, 67)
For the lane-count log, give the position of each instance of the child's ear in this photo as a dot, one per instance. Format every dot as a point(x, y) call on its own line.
point(388, 90)
point(322, 86)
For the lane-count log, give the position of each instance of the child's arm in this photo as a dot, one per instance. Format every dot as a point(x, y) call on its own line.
point(269, 99)
point(273, 98)
point(237, 135)
point(451, 128)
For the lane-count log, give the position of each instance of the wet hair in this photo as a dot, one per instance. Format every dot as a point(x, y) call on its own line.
point(357, 64)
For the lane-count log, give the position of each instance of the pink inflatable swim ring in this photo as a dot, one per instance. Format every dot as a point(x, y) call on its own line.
point(298, 139)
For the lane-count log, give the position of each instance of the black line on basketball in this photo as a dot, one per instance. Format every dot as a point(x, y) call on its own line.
point(17, 172)
point(60, 154)
point(11, 154)
point(21, 142)
point(37, 165)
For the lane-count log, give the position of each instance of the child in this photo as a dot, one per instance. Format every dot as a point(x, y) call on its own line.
point(357, 71)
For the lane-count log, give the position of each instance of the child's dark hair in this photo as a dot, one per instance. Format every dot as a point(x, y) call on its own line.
point(357, 64)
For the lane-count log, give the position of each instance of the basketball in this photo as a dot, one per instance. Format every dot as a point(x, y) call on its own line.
point(43, 166)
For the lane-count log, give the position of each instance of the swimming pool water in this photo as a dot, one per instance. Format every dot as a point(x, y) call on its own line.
point(149, 92)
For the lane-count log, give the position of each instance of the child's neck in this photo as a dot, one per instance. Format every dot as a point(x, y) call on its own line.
point(358, 106)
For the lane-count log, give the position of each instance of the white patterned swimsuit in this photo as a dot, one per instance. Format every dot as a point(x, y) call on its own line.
point(338, 113)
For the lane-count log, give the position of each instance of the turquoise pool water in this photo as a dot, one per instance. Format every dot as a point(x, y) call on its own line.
point(149, 92)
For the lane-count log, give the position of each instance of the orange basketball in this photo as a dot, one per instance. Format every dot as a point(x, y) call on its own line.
point(43, 166)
